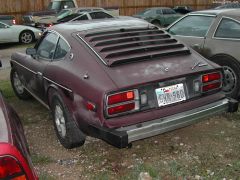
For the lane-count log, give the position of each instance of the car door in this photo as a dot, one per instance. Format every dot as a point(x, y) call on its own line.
point(6, 34)
point(192, 29)
point(37, 64)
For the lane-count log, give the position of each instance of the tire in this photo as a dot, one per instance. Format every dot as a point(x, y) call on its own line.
point(157, 23)
point(69, 135)
point(26, 37)
point(17, 86)
point(231, 82)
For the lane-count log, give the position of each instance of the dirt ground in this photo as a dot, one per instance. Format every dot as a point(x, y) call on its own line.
point(207, 150)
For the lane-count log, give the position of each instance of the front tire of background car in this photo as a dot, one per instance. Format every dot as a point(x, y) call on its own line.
point(231, 69)
point(26, 37)
point(157, 23)
point(69, 135)
point(17, 86)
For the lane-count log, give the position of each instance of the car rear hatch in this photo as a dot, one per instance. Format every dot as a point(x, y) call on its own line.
point(150, 68)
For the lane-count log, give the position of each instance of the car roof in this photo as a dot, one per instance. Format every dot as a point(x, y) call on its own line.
point(104, 24)
point(81, 8)
point(228, 12)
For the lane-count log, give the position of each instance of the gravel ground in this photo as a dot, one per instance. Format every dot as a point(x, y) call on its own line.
point(207, 150)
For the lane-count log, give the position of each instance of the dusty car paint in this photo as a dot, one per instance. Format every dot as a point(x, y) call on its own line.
point(111, 56)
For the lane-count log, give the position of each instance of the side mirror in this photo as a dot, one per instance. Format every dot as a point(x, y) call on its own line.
point(31, 51)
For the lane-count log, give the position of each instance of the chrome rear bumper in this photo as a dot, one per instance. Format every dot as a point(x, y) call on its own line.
point(122, 137)
point(169, 123)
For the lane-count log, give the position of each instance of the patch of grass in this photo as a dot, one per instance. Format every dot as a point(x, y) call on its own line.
point(6, 89)
point(45, 176)
point(41, 159)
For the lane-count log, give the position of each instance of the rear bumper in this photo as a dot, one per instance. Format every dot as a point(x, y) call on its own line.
point(123, 136)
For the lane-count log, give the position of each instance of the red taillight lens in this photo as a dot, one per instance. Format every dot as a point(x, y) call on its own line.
point(212, 86)
point(121, 108)
point(121, 97)
point(10, 169)
point(122, 102)
point(211, 77)
point(14, 21)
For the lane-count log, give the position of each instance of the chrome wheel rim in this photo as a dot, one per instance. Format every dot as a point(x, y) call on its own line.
point(17, 84)
point(26, 37)
point(60, 121)
point(230, 80)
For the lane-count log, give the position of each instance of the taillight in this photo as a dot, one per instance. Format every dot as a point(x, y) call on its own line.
point(122, 102)
point(11, 169)
point(211, 81)
point(14, 21)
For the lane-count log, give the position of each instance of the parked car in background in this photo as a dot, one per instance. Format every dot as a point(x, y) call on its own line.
point(15, 161)
point(159, 16)
point(8, 19)
point(119, 80)
point(54, 6)
point(182, 9)
point(94, 13)
point(228, 5)
point(18, 33)
point(215, 34)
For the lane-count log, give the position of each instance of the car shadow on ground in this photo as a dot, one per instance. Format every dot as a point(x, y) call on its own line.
point(15, 45)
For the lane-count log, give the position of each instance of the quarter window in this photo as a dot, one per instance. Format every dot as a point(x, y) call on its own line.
point(46, 48)
point(196, 26)
point(228, 29)
point(99, 15)
point(62, 49)
point(83, 17)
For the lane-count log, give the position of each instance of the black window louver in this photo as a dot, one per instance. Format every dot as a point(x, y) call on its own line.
point(131, 45)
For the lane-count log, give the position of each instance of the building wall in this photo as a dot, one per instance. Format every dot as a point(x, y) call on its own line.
point(127, 7)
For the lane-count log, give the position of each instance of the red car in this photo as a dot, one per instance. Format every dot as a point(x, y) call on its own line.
point(15, 162)
point(119, 80)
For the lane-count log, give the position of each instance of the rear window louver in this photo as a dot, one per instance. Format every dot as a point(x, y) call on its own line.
point(132, 45)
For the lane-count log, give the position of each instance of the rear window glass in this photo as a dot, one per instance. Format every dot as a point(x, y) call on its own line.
point(228, 29)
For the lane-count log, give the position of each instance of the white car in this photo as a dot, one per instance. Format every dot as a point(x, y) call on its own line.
point(18, 33)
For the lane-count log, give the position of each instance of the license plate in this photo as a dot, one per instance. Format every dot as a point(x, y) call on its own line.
point(170, 94)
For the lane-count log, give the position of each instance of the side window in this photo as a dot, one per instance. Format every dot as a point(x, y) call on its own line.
point(168, 11)
point(196, 26)
point(228, 29)
point(84, 10)
point(47, 46)
point(84, 17)
point(61, 49)
point(99, 15)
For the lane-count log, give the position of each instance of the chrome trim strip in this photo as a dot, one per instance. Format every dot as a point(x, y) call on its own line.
point(57, 84)
point(220, 38)
point(38, 99)
point(158, 126)
point(92, 50)
point(189, 36)
point(24, 67)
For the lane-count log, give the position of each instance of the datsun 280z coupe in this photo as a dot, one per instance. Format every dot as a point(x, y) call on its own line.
point(119, 80)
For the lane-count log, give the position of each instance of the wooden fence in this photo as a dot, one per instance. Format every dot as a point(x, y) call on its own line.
point(127, 7)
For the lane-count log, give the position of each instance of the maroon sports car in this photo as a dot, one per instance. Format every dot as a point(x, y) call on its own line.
point(15, 162)
point(119, 80)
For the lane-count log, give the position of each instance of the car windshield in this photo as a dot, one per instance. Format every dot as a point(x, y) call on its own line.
point(145, 12)
point(63, 13)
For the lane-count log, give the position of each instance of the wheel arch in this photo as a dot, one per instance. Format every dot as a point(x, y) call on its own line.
point(222, 56)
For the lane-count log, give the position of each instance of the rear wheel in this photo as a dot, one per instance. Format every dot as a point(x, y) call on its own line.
point(68, 133)
point(26, 37)
point(17, 86)
point(231, 82)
